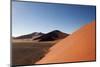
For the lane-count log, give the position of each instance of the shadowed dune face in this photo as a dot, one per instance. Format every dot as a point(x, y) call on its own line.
point(80, 46)
point(27, 53)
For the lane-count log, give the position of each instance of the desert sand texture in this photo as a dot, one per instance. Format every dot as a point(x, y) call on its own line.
point(79, 46)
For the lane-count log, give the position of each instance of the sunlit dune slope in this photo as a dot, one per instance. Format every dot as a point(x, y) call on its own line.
point(80, 46)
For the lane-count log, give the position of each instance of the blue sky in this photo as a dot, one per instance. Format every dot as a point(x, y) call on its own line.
point(28, 17)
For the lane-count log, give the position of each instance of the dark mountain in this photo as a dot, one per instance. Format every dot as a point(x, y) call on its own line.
point(29, 36)
point(51, 36)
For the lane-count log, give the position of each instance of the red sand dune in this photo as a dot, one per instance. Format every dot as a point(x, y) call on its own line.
point(80, 46)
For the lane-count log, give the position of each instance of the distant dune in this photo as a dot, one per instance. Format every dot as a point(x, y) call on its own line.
point(80, 46)
point(29, 36)
point(52, 36)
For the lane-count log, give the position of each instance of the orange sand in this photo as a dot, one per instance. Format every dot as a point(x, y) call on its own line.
point(80, 46)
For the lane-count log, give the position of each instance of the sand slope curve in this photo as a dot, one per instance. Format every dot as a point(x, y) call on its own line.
point(80, 46)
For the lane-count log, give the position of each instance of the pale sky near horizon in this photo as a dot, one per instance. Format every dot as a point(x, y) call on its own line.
point(28, 17)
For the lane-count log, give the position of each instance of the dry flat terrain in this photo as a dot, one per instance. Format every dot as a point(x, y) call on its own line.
point(28, 52)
